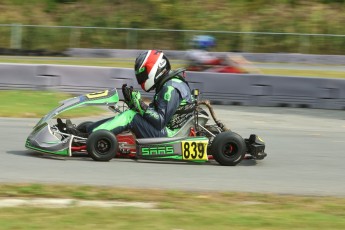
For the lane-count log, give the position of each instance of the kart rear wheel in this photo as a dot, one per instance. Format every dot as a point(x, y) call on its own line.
point(228, 148)
point(102, 145)
point(82, 127)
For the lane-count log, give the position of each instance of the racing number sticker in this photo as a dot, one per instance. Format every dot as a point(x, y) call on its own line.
point(97, 94)
point(192, 150)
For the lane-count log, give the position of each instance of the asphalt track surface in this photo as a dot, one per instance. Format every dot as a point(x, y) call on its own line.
point(306, 156)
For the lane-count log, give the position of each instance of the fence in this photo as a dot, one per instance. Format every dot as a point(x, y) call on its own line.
point(60, 38)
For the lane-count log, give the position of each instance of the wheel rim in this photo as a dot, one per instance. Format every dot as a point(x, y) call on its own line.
point(103, 146)
point(230, 149)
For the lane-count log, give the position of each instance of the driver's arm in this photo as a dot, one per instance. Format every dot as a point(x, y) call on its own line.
point(159, 113)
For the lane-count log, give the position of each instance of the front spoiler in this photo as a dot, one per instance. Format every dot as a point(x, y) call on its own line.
point(42, 139)
point(57, 150)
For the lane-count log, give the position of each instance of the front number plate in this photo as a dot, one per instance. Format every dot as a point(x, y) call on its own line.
point(97, 94)
point(194, 150)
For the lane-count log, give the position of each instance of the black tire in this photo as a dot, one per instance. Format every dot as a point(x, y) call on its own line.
point(102, 145)
point(82, 127)
point(228, 148)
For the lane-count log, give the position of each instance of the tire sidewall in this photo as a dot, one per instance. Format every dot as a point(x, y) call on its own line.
point(102, 135)
point(221, 141)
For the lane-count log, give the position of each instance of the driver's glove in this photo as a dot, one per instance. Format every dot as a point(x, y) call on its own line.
point(133, 99)
point(137, 103)
point(127, 95)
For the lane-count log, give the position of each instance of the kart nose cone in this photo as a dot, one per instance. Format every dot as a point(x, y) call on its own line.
point(42, 139)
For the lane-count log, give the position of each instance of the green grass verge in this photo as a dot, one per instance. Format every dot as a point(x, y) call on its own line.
point(129, 63)
point(304, 73)
point(174, 210)
point(26, 103)
point(103, 62)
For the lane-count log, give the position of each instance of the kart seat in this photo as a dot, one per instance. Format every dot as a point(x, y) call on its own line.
point(180, 135)
point(185, 129)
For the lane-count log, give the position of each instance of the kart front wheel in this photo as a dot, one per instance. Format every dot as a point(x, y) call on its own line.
point(102, 145)
point(228, 148)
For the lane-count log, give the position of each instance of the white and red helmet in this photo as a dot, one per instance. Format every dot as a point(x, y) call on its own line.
point(149, 67)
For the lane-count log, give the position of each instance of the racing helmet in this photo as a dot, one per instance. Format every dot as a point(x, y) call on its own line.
point(203, 42)
point(150, 66)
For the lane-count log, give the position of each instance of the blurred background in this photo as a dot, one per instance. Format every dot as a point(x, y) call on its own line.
point(50, 27)
point(51, 50)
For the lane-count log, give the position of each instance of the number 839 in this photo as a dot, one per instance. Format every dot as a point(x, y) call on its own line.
point(192, 150)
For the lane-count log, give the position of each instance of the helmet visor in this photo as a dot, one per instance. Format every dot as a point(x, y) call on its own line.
point(141, 75)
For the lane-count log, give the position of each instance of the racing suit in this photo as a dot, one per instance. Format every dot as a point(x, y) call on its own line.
point(172, 105)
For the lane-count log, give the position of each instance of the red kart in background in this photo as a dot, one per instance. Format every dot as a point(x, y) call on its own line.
point(203, 61)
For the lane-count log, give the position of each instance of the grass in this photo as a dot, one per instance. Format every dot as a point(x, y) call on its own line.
point(128, 63)
point(174, 210)
point(25, 103)
point(102, 62)
point(314, 17)
point(304, 73)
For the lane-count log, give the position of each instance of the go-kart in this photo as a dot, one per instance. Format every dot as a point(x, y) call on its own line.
point(199, 140)
point(223, 64)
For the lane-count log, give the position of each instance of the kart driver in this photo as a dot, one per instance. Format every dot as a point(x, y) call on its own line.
point(172, 104)
point(199, 55)
point(200, 59)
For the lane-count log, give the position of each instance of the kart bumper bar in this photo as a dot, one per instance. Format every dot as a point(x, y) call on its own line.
point(256, 147)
